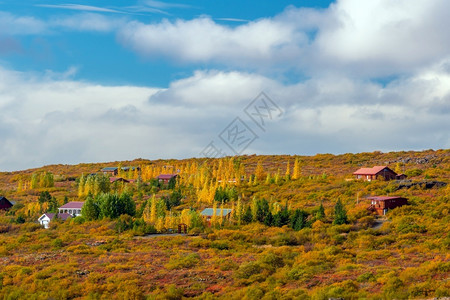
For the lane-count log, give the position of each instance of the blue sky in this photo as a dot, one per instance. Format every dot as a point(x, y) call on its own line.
point(60, 50)
point(92, 81)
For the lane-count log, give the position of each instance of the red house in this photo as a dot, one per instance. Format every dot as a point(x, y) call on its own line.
point(381, 204)
point(166, 177)
point(5, 204)
point(377, 172)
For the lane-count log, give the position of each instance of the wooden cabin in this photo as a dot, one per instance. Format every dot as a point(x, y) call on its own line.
point(381, 204)
point(377, 172)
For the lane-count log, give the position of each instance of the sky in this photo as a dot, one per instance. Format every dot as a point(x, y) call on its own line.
point(97, 81)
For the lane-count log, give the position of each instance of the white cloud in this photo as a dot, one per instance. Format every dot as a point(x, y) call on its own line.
point(20, 25)
point(362, 38)
point(384, 37)
point(80, 7)
point(87, 22)
point(47, 120)
point(203, 40)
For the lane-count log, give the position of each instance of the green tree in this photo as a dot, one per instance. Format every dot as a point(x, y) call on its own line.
point(44, 197)
point(282, 217)
point(248, 216)
point(172, 183)
point(91, 209)
point(320, 215)
point(340, 214)
point(298, 219)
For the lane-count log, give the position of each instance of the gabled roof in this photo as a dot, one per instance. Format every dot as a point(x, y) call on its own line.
point(167, 176)
point(51, 216)
point(384, 198)
point(208, 212)
point(109, 169)
point(114, 179)
point(72, 205)
point(5, 203)
point(371, 171)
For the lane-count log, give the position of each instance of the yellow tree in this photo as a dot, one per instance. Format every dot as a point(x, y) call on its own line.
point(153, 210)
point(214, 214)
point(20, 185)
point(259, 171)
point(287, 175)
point(296, 173)
point(146, 213)
point(277, 176)
point(81, 186)
point(238, 212)
point(186, 217)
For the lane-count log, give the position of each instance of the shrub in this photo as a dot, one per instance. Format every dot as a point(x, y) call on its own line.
point(183, 261)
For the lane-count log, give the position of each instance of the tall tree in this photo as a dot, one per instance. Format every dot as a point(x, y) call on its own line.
point(90, 209)
point(320, 215)
point(340, 214)
point(296, 172)
point(259, 171)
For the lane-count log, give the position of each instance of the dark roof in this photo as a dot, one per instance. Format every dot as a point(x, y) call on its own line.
point(384, 198)
point(72, 205)
point(132, 168)
point(371, 171)
point(109, 169)
point(167, 176)
point(114, 179)
point(208, 212)
point(5, 203)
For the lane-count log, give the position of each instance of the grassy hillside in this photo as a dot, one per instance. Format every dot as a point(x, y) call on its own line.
point(402, 255)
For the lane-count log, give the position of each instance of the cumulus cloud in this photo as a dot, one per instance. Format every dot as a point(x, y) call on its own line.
point(55, 120)
point(203, 40)
point(363, 38)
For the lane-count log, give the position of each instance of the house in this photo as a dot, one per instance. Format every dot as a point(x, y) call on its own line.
point(45, 219)
point(126, 169)
point(208, 213)
point(377, 172)
point(73, 208)
point(381, 204)
point(5, 204)
point(118, 179)
point(112, 171)
point(166, 177)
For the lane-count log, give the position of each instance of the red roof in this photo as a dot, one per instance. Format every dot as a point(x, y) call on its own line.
point(384, 198)
point(370, 171)
point(73, 205)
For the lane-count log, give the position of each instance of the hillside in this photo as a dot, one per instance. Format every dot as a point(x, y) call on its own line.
point(277, 243)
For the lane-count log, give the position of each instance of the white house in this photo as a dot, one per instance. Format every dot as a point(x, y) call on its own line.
point(73, 208)
point(45, 219)
point(67, 211)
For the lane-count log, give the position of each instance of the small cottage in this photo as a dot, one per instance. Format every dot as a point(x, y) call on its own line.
point(166, 177)
point(377, 172)
point(381, 204)
point(5, 204)
point(46, 218)
point(111, 171)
